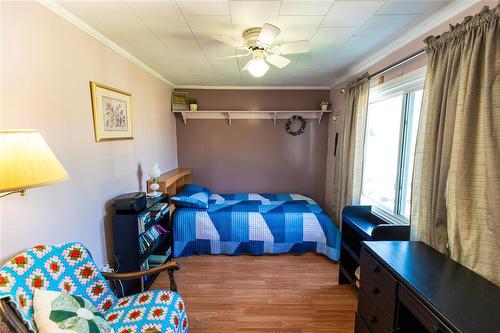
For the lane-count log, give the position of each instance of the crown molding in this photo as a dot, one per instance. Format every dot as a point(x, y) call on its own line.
point(72, 18)
point(440, 17)
point(252, 87)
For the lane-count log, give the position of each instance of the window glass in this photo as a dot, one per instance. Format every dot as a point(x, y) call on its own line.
point(412, 128)
point(391, 133)
point(380, 171)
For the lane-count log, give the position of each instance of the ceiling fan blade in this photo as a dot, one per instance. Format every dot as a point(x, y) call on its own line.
point(277, 60)
point(228, 41)
point(231, 56)
point(301, 46)
point(268, 34)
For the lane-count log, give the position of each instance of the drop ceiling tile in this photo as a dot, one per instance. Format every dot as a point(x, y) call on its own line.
point(393, 7)
point(386, 25)
point(204, 27)
point(295, 28)
point(351, 14)
point(305, 8)
point(355, 47)
point(325, 42)
point(205, 7)
point(247, 14)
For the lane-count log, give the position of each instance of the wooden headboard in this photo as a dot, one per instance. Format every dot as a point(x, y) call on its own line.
point(172, 182)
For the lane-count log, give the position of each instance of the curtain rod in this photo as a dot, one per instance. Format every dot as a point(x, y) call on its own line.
point(397, 63)
point(394, 64)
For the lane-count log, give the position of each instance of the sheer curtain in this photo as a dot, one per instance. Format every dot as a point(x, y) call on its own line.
point(348, 165)
point(456, 180)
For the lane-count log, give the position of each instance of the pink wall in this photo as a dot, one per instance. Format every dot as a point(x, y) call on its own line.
point(338, 100)
point(46, 66)
point(255, 155)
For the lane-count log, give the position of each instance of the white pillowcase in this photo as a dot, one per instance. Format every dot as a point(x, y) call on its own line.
point(57, 312)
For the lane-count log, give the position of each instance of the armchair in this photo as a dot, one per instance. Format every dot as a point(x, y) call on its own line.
point(70, 268)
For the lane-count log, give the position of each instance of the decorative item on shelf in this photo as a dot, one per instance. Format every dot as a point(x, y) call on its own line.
point(112, 109)
point(324, 105)
point(26, 161)
point(154, 174)
point(180, 101)
point(193, 104)
point(291, 125)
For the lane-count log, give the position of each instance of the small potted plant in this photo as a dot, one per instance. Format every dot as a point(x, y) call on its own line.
point(193, 104)
point(324, 105)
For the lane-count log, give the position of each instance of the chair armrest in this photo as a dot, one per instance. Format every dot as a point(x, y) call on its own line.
point(170, 267)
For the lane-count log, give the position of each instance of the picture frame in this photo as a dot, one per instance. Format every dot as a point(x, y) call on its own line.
point(112, 113)
point(180, 101)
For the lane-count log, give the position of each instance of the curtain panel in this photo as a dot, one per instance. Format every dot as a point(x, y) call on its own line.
point(456, 178)
point(349, 163)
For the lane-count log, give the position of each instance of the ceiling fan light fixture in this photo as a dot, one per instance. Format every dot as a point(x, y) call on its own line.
point(257, 67)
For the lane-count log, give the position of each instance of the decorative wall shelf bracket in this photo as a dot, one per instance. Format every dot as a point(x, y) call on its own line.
point(243, 114)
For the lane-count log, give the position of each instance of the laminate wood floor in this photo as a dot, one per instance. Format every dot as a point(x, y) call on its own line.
point(284, 293)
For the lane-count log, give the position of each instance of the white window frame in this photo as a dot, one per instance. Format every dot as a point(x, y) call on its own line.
point(404, 84)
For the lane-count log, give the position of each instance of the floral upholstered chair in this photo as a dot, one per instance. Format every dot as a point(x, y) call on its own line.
point(70, 268)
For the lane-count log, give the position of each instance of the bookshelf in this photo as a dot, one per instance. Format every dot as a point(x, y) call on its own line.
point(142, 240)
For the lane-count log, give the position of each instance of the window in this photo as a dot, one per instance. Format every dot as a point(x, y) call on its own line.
point(390, 137)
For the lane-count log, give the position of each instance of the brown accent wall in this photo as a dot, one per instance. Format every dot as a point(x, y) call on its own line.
point(255, 155)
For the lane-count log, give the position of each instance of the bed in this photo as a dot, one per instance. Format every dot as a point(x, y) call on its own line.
point(255, 224)
point(251, 223)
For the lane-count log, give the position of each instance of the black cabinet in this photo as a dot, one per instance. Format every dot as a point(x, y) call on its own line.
point(409, 287)
point(142, 240)
point(360, 224)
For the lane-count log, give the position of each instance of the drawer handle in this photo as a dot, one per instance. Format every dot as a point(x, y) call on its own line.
point(373, 319)
point(376, 268)
point(376, 291)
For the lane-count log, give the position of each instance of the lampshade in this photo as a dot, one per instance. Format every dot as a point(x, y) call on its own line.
point(155, 171)
point(26, 161)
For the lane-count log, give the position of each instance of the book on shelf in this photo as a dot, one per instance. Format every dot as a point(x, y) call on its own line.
point(142, 221)
point(150, 236)
point(158, 210)
point(155, 260)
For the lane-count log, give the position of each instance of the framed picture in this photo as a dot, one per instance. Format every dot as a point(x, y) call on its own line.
point(180, 101)
point(112, 109)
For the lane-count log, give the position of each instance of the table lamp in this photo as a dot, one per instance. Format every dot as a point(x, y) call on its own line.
point(154, 174)
point(26, 161)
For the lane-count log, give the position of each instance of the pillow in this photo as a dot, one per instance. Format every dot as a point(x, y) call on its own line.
point(191, 199)
point(192, 196)
point(196, 188)
point(57, 312)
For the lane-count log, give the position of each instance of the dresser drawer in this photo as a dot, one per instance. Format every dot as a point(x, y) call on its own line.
point(371, 315)
point(360, 326)
point(379, 285)
point(428, 319)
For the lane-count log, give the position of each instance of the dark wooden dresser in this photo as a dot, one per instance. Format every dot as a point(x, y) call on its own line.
point(410, 287)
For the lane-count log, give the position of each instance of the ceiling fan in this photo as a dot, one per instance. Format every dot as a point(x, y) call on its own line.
point(258, 43)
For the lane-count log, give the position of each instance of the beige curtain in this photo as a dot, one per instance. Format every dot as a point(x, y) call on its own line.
point(348, 165)
point(456, 180)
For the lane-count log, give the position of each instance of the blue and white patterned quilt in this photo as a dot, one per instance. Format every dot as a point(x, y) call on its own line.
point(255, 224)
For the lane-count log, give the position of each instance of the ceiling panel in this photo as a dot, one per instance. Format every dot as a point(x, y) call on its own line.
point(205, 7)
point(174, 37)
point(385, 25)
point(304, 8)
point(393, 7)
point(351, 14)
point(247, 14)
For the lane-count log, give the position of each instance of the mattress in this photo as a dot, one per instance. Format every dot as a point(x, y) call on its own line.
point(256, 224)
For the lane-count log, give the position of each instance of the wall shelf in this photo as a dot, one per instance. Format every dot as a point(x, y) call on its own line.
point(242, 114)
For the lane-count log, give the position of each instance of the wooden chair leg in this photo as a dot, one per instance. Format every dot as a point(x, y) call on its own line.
point(173, 284)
